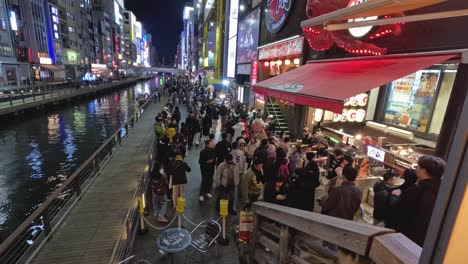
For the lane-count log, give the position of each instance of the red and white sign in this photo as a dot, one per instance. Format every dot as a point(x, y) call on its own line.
point(254, 72)
point(360, 31)
point(283, 49)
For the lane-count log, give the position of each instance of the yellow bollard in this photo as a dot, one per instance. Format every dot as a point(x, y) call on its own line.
point(223, 212)
point(180, 207)
point(141, 211)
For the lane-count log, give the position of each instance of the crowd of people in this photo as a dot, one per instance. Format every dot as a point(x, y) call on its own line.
point(241, 152)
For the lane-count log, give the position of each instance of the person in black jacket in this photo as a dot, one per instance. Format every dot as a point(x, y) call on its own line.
point(162, 152)
point(207, 161)
point(383, 196)
point(222, 149)
point(176, 114)
point(193, 126)
point(207, 122)
point(276, 192)
point(302, 189)
point(177, 171)
point(412, 213)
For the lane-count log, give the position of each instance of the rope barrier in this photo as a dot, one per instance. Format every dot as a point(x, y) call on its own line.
point(188, 220)
point(160, 228)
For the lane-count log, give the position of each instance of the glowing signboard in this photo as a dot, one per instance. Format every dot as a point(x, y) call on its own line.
point(55, 21)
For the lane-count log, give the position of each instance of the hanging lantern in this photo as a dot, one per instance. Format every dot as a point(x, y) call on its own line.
point(297, 61)
point(272, 63)
point(266, 64)
point(279, 62)
point(287, 62)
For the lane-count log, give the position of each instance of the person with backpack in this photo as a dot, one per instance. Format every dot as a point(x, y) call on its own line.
point(159, 189)
point(302, 194)
point(177, 171)
point(383, 196)
point(159, 129)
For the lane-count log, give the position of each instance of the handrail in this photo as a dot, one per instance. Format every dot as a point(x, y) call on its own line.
point(370, 241)
point(41, 219)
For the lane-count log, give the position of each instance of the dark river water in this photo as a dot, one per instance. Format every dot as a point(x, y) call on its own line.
point(40, 151)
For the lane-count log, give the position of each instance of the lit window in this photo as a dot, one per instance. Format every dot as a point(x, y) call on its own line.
point(56, 35)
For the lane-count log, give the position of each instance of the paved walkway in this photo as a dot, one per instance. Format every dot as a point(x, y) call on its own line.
point(89, 233)
point(145, 246)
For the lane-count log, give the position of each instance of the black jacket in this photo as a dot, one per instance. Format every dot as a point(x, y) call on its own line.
point(222, 149)
point(271, 192)
point(177, 170)
point(382, 199)
point(207, 122)
point(302, 189)
point(205, 155)
point(412, 213)
point(192, 124)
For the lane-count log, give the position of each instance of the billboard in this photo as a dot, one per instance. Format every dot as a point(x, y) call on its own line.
point(232, 43)
point(247, 38)
point(211, 46)
point(138, 30)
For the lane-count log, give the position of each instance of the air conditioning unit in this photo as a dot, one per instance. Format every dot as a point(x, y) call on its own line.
point(377, 126)
point(400, 133)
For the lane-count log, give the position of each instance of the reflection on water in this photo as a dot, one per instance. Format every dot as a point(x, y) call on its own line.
point(39, 153)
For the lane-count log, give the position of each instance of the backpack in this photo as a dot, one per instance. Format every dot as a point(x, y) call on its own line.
point(284, 171)
point(158, 186)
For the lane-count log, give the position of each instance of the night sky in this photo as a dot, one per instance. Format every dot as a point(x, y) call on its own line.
point(163, 20)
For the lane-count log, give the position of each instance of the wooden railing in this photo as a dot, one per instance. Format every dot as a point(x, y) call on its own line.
point(287, 235)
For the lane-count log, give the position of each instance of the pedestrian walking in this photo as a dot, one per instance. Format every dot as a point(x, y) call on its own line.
point(227, 179)
point(207, 161)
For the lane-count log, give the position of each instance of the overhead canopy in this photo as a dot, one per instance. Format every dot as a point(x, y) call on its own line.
point(53, 67)
point(326, 84)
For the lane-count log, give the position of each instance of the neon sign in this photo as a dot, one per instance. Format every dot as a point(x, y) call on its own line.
point(55, 21)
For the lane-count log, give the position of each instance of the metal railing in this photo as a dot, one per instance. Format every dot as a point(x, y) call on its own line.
point(14, 96)
point(34, 231)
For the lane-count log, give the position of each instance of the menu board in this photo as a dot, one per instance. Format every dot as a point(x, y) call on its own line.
point(410, 102)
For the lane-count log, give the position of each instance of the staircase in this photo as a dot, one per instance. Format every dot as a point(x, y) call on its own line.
point(273, 109)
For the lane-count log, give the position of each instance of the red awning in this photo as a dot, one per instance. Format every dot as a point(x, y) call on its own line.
point(326, 84)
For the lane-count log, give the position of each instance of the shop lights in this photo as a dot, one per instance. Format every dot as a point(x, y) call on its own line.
point(297, 61)
point(266, 63)
point(279, 62)
point(272, 63)
point(287, 62)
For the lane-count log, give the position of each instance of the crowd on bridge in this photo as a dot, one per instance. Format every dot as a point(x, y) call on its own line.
point(248, 160)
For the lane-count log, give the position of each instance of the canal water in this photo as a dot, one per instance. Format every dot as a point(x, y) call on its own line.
point(39, 152)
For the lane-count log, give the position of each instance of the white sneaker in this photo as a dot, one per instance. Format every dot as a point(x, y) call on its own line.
point(209, 195)
point(202, 199)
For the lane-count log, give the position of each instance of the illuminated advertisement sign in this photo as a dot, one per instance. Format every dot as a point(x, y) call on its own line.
point(55, 21)
point(138, 30)
point(117, 13)
point(247, 38)
point(208, 6)
point(232, 44)
point(14, 24)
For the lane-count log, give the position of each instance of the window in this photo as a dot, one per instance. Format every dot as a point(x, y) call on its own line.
point(442, 101)
point(71, 29)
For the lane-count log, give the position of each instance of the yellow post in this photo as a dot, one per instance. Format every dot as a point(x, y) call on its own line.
point(180, 207)
point(141, 211)
point(223, 211)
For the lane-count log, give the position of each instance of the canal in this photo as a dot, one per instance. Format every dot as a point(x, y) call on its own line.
point(40, 151)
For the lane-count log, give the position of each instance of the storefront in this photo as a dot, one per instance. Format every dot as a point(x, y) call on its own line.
point(409, 92)
point(281, 49)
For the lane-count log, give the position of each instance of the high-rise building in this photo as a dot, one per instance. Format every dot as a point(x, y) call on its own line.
point(130, 52)
point(11, 33)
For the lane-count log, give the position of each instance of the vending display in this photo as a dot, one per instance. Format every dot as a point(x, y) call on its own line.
point(410, 102)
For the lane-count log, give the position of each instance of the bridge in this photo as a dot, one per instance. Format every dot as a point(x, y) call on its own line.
point(165, 70)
